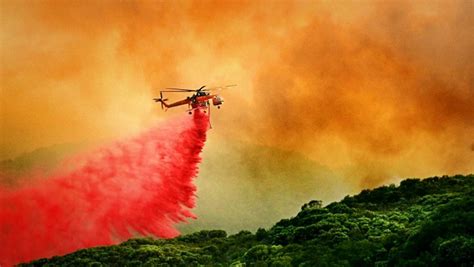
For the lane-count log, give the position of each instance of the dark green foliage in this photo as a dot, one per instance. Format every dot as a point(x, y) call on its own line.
point(261, 234)
point(426, 222)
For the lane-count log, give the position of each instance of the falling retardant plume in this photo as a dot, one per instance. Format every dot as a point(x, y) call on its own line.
point(137, 187)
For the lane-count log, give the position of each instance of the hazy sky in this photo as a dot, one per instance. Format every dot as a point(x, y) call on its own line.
point(369, 91)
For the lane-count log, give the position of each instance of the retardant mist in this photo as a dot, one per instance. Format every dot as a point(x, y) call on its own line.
point(141, 186)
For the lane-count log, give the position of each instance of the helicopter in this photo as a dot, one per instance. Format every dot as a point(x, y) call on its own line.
point(200, 99)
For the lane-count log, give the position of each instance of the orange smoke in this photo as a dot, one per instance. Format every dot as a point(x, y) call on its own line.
point(375, 91)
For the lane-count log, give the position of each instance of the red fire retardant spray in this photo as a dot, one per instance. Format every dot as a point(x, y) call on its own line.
point(137, 187)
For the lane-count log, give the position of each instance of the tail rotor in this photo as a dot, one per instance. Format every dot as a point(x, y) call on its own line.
point(161, 100)
point(161, 97)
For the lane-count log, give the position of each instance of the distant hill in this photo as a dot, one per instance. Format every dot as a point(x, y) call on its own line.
point(427, 222)
point(264, 184)
point(39, 160)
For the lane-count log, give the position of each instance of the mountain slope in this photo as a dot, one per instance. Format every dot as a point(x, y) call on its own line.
point(426, 222)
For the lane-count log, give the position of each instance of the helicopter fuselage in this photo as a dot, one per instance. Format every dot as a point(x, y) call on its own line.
point(200, 99)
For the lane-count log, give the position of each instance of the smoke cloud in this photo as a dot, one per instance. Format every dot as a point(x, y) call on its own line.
point(142, 186)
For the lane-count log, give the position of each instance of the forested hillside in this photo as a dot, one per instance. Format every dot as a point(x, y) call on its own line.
point(427, 222)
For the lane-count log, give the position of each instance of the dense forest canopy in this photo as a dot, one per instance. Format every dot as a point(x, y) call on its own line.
point(427, 222)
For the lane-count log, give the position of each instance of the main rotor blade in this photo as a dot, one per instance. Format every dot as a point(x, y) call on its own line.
point(219, 87)
point(175, 91)
point(181, 89)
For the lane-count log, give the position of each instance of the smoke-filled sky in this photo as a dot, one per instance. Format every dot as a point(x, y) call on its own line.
point(364, 92)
